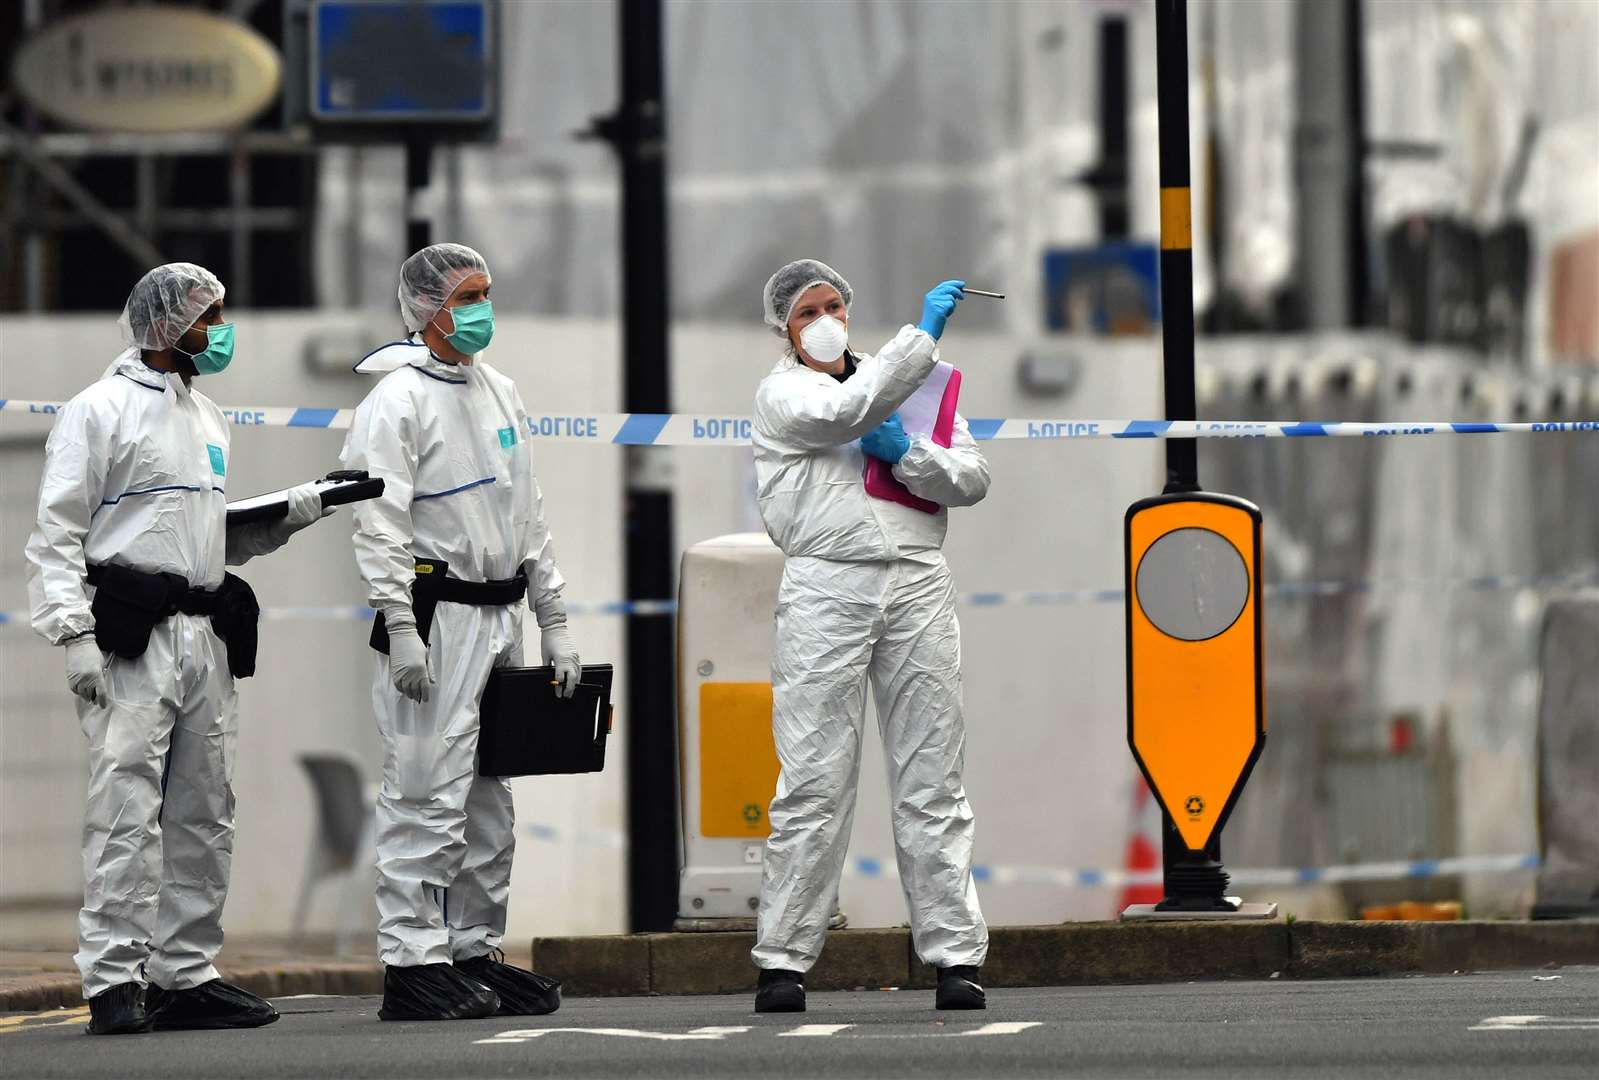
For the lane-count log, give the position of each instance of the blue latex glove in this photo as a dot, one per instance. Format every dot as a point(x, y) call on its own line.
point(939, 305)
point(888, 442)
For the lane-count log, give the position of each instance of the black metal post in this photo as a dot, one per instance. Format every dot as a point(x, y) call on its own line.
point(637, 132)
point(1176, 245)
point(1109, 177)
point(1359, 254)
point(1194, 880)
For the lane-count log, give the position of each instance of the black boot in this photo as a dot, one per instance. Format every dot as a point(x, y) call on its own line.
point(434, 992)
point(118, 1011)
point(211, 1005)
point(780, 990)
point(958, 988)
point(521, 993)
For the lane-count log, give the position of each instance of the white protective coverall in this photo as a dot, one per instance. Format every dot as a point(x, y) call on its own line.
point(865, 594)
point(451, 444)
point(135, 472)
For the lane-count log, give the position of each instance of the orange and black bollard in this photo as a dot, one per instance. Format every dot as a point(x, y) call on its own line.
point(1196, 718)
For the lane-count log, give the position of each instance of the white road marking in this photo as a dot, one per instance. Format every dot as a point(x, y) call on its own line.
point(1011, 1027)
point(718, 1034)
point(814, 1030)
point(1538, 1023)
point(521, 1035)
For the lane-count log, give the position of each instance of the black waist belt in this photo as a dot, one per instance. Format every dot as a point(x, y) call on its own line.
point(128, 603)
point(433, 586)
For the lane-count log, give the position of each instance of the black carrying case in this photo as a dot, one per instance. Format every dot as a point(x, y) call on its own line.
point(525, 729)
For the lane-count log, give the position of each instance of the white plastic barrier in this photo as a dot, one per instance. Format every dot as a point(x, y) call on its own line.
point(727, 598)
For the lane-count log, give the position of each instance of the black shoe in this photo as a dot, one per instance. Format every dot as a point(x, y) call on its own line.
point(209, 1006)
point(780, 990)
point(958, 988)
point(434, 992)
point(522, 993)
point(118, 1011)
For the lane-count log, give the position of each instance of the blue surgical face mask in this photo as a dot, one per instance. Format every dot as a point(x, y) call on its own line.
point(218, 352)
point(474, 327)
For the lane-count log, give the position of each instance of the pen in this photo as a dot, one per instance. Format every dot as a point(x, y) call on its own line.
point(983, 292)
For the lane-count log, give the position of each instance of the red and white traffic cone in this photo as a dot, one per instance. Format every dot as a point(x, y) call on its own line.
point(1143, 849)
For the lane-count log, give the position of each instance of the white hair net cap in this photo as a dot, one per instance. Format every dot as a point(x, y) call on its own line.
point(784, 288)
point(165, 303)
point(429, 277)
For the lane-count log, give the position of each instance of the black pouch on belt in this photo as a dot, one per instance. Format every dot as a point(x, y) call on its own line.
point(426, 588)
point(128, 603)
point(234, 617)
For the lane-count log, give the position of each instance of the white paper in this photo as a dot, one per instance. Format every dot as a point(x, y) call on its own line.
point(920, 411)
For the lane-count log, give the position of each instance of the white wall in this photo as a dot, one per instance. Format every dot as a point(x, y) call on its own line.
point(1044, 690)
point(1048, 770)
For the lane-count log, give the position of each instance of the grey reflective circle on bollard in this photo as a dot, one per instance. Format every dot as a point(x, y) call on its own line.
point(1192, 584)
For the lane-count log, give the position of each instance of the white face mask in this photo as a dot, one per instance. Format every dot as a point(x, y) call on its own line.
point(824, 339)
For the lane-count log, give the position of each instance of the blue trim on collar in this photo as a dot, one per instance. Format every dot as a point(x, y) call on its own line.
point(440, 378)
point(158, 389)
point(454, 490)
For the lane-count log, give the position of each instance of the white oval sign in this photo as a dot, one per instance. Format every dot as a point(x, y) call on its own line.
point(148, 69)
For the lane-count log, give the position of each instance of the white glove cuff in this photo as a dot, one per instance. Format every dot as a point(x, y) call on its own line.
point(550, 610)
point(398, 618)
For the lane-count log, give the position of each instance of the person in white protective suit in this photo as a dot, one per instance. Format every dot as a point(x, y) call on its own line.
point(126, 571)
point(866, 597)
point(461, 521)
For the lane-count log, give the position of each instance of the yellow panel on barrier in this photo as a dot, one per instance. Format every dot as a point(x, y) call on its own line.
point(738, 763)
point(1196, 714)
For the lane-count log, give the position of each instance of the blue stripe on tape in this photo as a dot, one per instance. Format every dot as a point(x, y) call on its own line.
point(1308, 875)
point(641, 429)
point(1475, 429)
point(1090, 878)
point(981, 874)
point(868, 867)
point(312, 417)
point(1143, 429)
point(985, 599)
point(982, 430)
point(1424, 868)
point(1307, 430)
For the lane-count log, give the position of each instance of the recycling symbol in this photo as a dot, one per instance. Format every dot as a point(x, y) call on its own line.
point(752, 813)
point(1195, 805)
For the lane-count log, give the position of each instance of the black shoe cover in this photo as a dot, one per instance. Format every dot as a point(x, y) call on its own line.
point(118, 1011)
point(780, 991)
point(958, 988)
point(522, 993)
point(209, 1006)
point(434, 992)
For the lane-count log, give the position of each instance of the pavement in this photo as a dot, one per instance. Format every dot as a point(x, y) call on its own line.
point(1538, 1023)
point(1067, 954)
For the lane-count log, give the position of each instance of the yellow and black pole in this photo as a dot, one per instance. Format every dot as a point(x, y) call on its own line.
point(1196, 718)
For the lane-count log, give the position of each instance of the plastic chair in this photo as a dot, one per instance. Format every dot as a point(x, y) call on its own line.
point(343, 841)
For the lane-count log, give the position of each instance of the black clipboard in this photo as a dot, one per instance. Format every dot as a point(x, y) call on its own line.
point(342, 486)
point(525, 729)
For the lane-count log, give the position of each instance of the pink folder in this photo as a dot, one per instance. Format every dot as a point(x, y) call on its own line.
point(931, 412)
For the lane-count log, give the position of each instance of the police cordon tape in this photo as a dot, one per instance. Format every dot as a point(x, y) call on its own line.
point(1548, 584)
point(691, 429)
point(871, 868)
